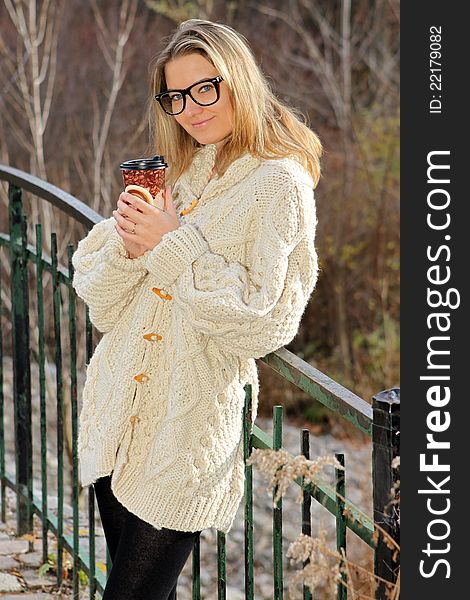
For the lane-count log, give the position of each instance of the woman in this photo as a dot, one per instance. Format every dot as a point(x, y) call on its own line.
point(187, 298)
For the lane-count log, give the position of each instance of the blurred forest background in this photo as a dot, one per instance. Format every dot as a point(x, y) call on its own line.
point(73, 98)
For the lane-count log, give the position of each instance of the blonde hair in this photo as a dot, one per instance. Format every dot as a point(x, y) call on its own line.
point(263, 125)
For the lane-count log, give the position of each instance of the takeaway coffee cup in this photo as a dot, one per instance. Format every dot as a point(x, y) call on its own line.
point(145, 178)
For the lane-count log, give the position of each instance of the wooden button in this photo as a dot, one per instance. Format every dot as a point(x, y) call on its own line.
point(141, 377)
point(153, 337)
point(162, 294)
point(193, 204)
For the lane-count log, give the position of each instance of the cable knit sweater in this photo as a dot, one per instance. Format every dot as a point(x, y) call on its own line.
point(163, 398)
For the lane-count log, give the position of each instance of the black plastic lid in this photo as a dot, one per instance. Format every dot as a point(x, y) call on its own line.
point(144, 164)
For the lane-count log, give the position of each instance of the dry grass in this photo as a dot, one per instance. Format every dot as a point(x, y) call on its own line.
point(323, 568)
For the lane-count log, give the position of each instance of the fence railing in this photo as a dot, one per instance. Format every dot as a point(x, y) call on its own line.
point(379, 420)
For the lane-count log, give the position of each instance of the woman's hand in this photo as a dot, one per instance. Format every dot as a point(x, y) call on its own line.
point(149, 222)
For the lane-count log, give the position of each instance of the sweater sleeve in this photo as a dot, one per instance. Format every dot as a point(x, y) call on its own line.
point(103, 275)
point(253, 311)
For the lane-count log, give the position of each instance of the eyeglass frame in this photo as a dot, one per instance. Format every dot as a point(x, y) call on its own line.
point(187, 92)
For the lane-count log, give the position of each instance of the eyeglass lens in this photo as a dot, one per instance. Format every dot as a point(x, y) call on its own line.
point(203, 93)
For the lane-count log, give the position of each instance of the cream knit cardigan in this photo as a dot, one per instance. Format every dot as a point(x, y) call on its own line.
point(163, 398)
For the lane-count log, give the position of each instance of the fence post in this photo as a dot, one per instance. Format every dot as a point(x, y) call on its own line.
point(21, 365)
point(385, 447)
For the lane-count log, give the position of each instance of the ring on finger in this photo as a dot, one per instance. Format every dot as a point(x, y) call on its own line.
point(127, 218)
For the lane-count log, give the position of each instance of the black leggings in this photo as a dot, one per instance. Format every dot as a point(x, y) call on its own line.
point(146, 561)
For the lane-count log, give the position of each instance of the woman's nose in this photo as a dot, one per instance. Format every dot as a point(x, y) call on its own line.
point(191, 107)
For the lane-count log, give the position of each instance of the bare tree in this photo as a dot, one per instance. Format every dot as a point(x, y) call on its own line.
point(33, 72)
point(113, 49)
point(28, 87)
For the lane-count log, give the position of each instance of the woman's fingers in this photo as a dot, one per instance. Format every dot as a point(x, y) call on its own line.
point(128, 213)
point(125, 223)
point(131, 206)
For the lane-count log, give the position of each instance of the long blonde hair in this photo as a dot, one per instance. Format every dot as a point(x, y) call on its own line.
point(263, 125)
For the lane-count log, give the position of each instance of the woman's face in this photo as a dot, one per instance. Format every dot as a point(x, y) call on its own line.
point(216, 119)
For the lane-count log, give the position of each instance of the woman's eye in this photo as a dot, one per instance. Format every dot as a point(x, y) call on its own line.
point(207, 87)
point(175, 97)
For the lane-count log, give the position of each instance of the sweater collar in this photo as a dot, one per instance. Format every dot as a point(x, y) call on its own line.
point(201, 167)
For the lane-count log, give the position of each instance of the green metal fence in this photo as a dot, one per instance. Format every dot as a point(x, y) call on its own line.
point(381, 420)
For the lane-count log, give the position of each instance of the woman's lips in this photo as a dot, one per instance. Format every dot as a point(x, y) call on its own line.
point(202, 123)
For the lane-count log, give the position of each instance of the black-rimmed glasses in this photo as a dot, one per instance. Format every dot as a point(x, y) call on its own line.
point(204, 92)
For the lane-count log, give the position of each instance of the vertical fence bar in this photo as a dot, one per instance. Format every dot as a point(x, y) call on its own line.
point(277, 512)
point(57, 301)
point(221, 566)
point(340, 478)
point(247, 450)
point(2, 415)
point(386, 446)
point(196, 569)
point(91, 490)
point(21, 365)
point(96, 583)
point(42, 390)
point(306, 503)
point(73, 403)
